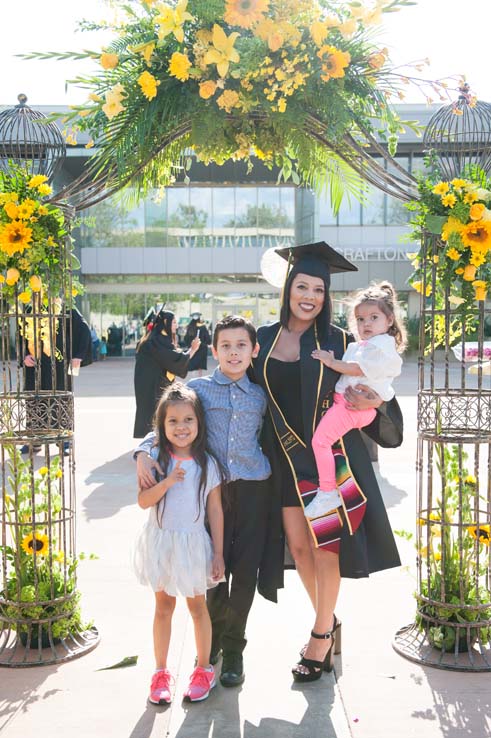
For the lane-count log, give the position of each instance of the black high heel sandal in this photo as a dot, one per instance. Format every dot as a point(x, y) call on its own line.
point(315, 668)
point(336, 634)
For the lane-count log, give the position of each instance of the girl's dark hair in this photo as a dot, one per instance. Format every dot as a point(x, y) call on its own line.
point(384, 296)
point(178, 392)
point(323, 320)
point(163, 321)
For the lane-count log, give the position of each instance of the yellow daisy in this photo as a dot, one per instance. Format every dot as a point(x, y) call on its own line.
point(441, 188)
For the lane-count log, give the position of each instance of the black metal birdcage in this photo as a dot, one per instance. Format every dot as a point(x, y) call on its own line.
point(460, 136)
point(28, 141)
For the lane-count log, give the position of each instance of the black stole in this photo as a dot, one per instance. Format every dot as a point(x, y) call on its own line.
point(326, 529)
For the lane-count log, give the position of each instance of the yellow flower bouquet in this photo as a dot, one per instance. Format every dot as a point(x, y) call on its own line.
point(274, 79)
point(458, 212)
point(34, 257)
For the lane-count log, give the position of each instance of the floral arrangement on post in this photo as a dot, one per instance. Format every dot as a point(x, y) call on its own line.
point(39, 598)
point(33, 232)
point(300, 84)
point(455, 547)
point(459, 213)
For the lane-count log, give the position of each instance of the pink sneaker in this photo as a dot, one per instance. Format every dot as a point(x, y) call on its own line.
point(160, 688)
point(200, 684)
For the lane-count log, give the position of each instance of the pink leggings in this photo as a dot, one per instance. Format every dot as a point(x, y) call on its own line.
point(337, 421)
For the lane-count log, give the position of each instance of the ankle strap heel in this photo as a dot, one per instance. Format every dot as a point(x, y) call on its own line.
point(321, 636)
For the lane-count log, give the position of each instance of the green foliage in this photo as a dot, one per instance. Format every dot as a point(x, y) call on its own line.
point(456, 552)
point(41, 580)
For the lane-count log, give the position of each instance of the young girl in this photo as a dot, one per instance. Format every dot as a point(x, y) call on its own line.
point(174, 553)
point(373, 361)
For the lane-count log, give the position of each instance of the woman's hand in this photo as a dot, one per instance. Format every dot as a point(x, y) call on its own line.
point(195, 344)
point(217, 567)
point(327, 357)
point(362, 397)
point(29, 360)
point(144, 466)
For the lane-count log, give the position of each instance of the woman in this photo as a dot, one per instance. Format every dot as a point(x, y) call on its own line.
point(158, 361)
point(356, 539)
point(196, 327)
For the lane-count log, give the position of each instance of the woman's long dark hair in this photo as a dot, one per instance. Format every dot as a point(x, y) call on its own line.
point(175, 393)
point(163, 321)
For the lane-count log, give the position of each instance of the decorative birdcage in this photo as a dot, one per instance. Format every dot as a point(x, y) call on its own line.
point(452, 628)
point(40, 616)
point(460, 136)
point(29, 142)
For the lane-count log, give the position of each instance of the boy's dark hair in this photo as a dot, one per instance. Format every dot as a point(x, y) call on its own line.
point(234, 321)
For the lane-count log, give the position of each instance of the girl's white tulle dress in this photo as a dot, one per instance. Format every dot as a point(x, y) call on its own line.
point(175, 556)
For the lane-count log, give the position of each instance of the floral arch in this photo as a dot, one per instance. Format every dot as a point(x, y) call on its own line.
point(301, 84)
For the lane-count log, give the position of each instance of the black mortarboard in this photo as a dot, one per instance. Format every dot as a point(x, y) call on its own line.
point(315, 258)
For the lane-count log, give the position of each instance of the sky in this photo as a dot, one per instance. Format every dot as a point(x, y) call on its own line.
point(453, 34)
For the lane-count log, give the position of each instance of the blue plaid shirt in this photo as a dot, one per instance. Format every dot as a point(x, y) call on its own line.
point(234, 413)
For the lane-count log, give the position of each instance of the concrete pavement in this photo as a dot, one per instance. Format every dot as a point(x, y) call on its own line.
point(373, 692)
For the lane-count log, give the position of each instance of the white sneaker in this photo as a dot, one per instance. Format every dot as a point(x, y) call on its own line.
point(322, 503)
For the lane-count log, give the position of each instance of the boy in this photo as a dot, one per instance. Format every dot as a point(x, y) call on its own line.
point(234, 411)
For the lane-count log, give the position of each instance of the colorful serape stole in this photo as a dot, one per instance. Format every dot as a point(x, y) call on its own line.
point(327, 528)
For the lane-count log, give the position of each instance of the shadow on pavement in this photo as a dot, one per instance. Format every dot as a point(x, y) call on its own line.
point(117, 480)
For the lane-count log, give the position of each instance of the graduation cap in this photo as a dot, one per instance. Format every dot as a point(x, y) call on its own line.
point(316, 259)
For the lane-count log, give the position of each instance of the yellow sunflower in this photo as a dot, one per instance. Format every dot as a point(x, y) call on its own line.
point(14, 237)
point(245, 13)
point(37, 542)
point(477, 232)
point(480, 532)
point(452, 225)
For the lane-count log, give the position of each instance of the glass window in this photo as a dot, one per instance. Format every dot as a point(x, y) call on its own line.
point(326, 215)
point(287, 210)
point(397, 214)
point(350, 211)
point(110, 223)
point(374, 207)
point(156, 222)
point(199, 216)
point(179, 216)
point(246, 214)
point(223, 207)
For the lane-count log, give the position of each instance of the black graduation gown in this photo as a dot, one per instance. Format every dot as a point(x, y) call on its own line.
point(372, 548)
point(200, 358)
point(156, 358)
point(78, 345)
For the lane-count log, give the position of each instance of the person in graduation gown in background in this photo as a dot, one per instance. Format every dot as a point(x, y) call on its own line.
point(355, 539)
point(158, 362)
point(197, 327)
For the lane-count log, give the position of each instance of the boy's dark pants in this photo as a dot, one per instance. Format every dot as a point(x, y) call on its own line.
point(245, 509)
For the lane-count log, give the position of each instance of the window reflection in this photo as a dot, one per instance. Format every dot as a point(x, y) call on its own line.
point(109, 223)
point(397, 213)
point(374, 207)
point(350, 211)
